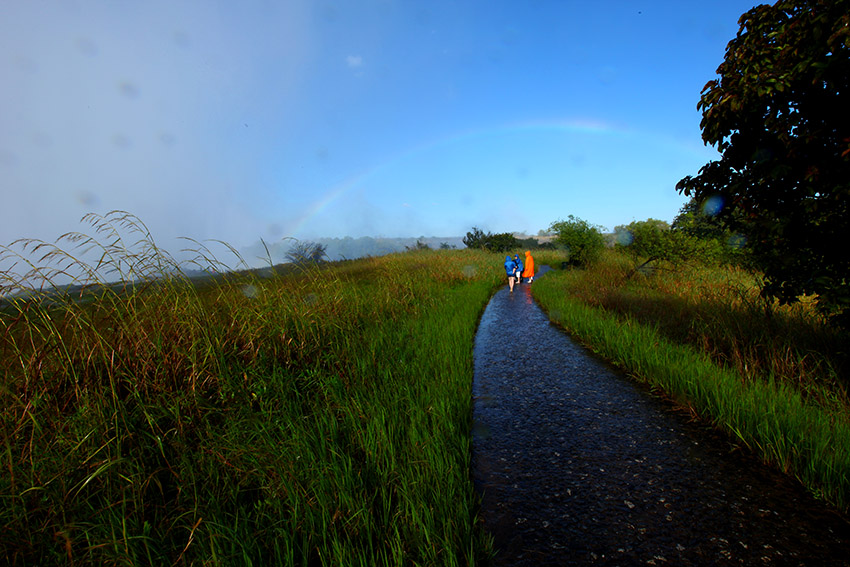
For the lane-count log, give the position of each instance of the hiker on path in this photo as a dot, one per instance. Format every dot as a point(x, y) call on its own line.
point(528, 272)
point(518, 263)
point(510, 269)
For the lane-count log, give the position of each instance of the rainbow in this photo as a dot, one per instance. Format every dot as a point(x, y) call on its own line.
point(589, 127)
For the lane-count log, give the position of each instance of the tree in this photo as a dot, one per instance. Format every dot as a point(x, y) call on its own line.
point(779, 116)
point(489, 241)
point(502, 242)
point(653, 241)
point(303, 253)
point(532, 243)
point(420, 245)
point(584, 242)
point(698, 221)
point(646, 241)
point(476, 238)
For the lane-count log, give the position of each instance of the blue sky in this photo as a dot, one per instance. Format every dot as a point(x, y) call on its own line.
point(247, 120)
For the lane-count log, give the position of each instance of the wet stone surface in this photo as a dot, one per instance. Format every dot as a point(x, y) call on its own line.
point(579, 465)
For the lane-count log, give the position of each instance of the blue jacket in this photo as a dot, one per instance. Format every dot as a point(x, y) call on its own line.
point(518, 262)
point(510, 265)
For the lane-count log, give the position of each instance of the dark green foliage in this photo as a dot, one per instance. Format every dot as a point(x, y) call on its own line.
point(488, 241)
point(302, 253)
point(778, 115)
point(699, 219)
point(715, 243)
point(502, 242)
point(653, 241)
point(584, 242)
point(477, 238)
point(420, 245)
point(534, 244)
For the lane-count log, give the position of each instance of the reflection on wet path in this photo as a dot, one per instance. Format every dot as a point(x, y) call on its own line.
point(579, 465)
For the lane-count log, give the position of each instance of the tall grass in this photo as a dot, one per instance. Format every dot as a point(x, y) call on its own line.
point(719, 310)
point(770, 376)
point(310, 418)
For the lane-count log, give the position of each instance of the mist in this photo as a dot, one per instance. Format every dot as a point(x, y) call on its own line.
point(249, 121)
point(151, 109)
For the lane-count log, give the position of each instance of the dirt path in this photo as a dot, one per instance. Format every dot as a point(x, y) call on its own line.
point(579, 465)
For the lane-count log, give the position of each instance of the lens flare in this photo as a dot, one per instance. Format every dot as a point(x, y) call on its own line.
point(625, 237)
point(712, 205)
point(737, 241)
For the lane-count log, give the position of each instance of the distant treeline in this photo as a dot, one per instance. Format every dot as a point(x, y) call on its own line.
point(349, 248)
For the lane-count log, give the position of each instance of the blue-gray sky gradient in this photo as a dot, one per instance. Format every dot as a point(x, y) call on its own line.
point(248, 120)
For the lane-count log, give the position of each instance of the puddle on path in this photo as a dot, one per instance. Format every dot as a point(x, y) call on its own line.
point(579, 465)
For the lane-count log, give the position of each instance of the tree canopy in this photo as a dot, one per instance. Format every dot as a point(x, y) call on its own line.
point(778, 114)
point(476, 238)
point(649, 241)
point(501, 242)
point(653, 241)
point(584, 242)
point(302, 253)
point(419, 245)
point(700, 221)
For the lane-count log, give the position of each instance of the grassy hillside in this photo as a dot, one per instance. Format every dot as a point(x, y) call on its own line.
point(774, 377)
point(319, 417)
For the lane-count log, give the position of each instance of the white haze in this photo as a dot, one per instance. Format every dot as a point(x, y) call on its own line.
point(145, 107)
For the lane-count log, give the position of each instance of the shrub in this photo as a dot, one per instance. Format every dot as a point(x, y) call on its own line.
point(583, 241)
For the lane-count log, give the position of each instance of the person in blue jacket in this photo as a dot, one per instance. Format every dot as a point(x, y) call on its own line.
point(519, 268)
point(510, 269)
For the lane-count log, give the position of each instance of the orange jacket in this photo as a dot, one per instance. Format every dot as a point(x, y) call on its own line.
point(528, 272)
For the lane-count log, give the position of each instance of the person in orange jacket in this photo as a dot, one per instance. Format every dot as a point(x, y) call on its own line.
point(528, 270)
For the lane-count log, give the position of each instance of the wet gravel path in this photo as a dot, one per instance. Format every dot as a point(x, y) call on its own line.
point(579, 465)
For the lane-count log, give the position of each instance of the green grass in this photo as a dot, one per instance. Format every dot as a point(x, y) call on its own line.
point(319, 417)
point(780, 391)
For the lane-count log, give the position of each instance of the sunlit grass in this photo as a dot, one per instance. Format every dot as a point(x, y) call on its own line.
point(719, 311)
point(319, 416)
point(771, 376)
